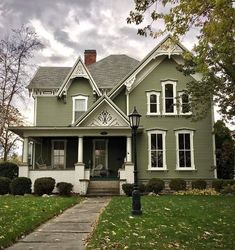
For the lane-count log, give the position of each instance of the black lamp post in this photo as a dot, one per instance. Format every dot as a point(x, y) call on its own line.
point(134, 119)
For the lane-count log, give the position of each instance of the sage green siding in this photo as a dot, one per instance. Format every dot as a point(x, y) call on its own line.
point(120, 100)
point(203, 150)
point(52, 111)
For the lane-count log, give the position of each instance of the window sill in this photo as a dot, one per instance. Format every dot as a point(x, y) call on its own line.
point(157, 170)
point(154, 114)
point(185, 169)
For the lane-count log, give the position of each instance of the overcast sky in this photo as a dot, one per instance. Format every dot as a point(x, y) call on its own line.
point(68, 27)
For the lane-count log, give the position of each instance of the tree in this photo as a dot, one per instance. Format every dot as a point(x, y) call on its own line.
point(214, 53)
point(15, 52)
point(225, 151)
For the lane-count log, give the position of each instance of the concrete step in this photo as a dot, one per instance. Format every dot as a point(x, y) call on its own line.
point(104, 184)
point(103, 188)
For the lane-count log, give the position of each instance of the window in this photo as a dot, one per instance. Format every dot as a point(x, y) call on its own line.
point(156, 147)
point(79, 106)
point(58, 154)
point(184, 148)
point(153, 103)
point(169, 97)
point(185, 107)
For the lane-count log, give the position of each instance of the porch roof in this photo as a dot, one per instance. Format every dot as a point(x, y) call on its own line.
point(33, 131)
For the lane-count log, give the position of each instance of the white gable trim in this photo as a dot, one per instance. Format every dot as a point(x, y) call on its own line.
point(96, 105)
point(79, 70)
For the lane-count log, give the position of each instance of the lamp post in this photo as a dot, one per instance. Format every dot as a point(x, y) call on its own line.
point(134, 119)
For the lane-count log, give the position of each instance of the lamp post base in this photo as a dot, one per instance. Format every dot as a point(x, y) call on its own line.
point(136, 205)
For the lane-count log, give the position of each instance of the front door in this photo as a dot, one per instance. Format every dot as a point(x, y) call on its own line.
point(100, 156)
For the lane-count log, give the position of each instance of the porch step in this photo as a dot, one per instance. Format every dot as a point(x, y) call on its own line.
point(103, 188)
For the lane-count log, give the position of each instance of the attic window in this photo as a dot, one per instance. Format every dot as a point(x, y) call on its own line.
point(79, 106)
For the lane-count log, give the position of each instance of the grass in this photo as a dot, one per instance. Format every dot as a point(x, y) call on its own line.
point(19, 214)
point(168, 222)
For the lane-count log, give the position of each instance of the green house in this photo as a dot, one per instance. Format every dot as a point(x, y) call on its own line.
point(81, 131)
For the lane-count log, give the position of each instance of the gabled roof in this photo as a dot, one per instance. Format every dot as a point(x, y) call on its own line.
point(123, 119)
point(167, 47)
point(78, 70)
point(106, 73)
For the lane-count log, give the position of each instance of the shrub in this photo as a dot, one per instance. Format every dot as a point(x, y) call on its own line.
point(142, 188)
point(199, 184)
point(217, 185)
point(229, 189)
point(127, 188)
point(207, 191)
point(4, 185)
point(64, 188)
point(155, 185)
point(228, 182)
point(21, 186)
point(177, 184)
point(44, 185)
point(9, 170)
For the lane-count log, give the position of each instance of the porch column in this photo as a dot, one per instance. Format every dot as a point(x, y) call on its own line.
point(80, 149)
point(128, 149)
point(25, 150)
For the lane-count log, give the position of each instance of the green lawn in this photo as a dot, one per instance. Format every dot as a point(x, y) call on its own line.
point(168, 222)
point(20, 215)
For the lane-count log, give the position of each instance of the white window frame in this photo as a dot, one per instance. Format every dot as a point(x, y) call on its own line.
point(163, 133)
point(191, 133)
point(164, 83)
point(180, 102)
point(157, 94)
point(78, 97)
point(52, 151)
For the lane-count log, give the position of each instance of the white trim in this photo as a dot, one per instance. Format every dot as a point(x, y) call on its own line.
point(157, 104)
point(78, 97)
point(180, 104)
point(213, 141)
point(191, 133)
point(52, 151)
point(155, 132)
point(35, 111)
point(127, 103)
point(164, 83)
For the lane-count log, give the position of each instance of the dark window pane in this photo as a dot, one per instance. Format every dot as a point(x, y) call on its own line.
point(187, 141)
point(181, 159)
point(160, 159)
point(169, 106)
point(153, 108)
point(185, 108)
point(153, 99)
point(188, 159)
point(181, 141)
point(184, 98)
point(153, 141)
point(168, 90)
point(153, 159)
point(159, 142)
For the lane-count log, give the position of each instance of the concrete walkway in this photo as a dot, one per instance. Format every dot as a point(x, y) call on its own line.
point(66, 231)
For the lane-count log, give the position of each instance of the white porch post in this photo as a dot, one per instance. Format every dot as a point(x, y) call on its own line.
point(80, 149)
point(128, 149)
point(25, 150)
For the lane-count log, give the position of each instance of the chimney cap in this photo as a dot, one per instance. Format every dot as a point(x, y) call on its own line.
point(90, 51)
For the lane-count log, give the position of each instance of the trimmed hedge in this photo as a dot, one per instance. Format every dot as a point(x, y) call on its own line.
point(219, 184)
point(229, 189)
point(64, 188)
point(9, 170)
point(155, 185)
point(127, 188)
point(4, 185)
point(44, 185)
point(199, 184)
point(177, 184)
point(21, 186)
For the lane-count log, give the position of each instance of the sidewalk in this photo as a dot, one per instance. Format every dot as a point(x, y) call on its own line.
point(67, 231)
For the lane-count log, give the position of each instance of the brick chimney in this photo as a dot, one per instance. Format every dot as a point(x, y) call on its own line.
point(89, 57)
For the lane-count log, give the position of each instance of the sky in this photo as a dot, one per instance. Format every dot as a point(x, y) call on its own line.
point(68, 27)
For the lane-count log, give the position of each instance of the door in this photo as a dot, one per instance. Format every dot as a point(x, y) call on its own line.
point(100, 153)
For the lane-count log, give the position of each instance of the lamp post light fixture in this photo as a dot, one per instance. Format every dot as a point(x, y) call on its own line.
point(134, 119)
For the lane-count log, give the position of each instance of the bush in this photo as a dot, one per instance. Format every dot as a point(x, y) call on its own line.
point(4, 185)
point(21, 186)
point(9, 170)
point(177, 184)
point(127, 188)
point(217, 185)
point(199, 184)
point(64, 188)
point(229, 189)
point(155, 185)
point(142, 188)
point(44, 185)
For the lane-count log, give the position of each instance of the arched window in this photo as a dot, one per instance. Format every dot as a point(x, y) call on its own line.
point(169, 97)
point(79, 106)
point(153, 103)
point(185, 106)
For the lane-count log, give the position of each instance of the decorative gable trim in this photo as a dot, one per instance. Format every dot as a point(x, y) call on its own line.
point(78, 70)
point(104, 118)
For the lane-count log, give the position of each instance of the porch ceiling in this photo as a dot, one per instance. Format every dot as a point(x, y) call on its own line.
point(72, 131)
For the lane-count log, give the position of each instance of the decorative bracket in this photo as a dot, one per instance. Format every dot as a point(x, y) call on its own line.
point(129, 83)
